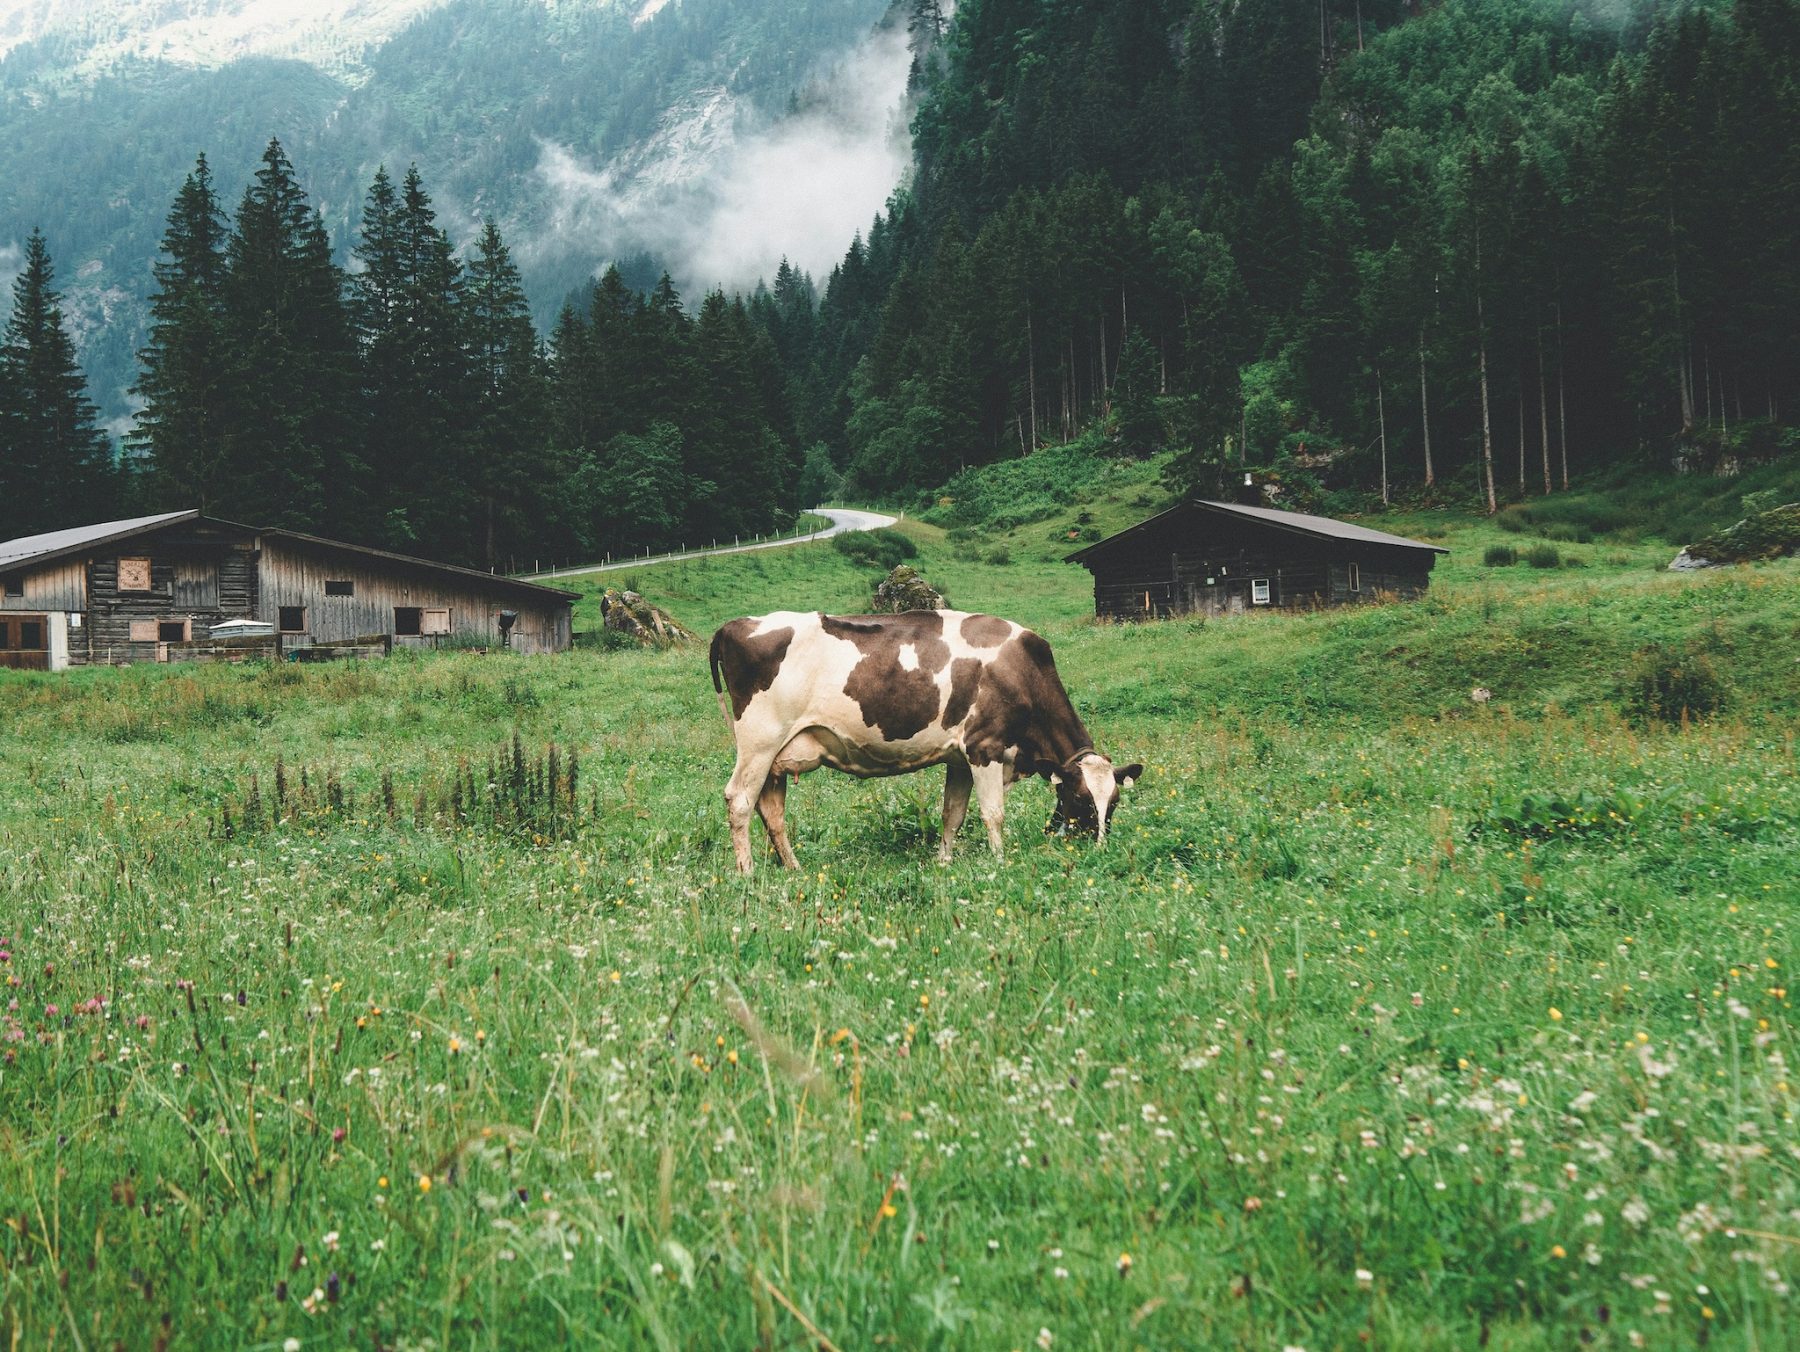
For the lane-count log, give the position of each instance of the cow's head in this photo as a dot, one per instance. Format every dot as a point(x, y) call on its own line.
point(1087, 791)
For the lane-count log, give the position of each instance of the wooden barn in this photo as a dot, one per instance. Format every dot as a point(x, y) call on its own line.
point(181, 585)
point(1216, 558)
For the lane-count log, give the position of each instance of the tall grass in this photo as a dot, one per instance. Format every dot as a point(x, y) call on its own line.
point(1385, 1018)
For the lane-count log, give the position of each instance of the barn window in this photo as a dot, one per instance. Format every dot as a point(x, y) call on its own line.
point(340, 588)
point(6, 636)
point(408, 621)
point(436, 622)
point(142, 631)
point(1259, 591)
point(172, 631)
point(134, 575)
point(1355, 578)
point(292, 619)
point(31, 635)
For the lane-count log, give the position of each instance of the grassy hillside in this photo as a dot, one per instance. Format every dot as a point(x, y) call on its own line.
point(1385, 1019)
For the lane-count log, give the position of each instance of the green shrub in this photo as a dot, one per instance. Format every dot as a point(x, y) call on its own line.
point(1514, 520)
point(1500, 556)
point(1000, 556)
point(1543, 556)
point(1566, 531)
point(885, 549)
point(1029, 488)
point(1668, 684)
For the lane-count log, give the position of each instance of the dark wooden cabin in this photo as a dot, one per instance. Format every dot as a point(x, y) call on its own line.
point(154, 588)
point(1215, 558)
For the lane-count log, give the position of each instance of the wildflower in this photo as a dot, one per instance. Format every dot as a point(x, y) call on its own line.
point(291, 1345)
point(1555, 1014)
point(1045, 1338)
point(1252, 1204)
point(424, 1182)
point(1557, 1251)
point(1365, 1280)
point(1124, 1264)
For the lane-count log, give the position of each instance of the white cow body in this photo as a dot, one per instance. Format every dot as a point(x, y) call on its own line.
point(888, 695)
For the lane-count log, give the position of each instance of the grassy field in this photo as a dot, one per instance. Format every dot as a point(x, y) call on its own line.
point(1385, 1019)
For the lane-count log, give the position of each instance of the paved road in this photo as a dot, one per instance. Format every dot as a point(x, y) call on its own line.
point(842, 519)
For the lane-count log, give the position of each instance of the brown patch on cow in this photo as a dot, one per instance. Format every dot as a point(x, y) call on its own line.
point(965, 680)
point(748, 661)
point(1024, 705)
point(985, 631)
point(899, 702)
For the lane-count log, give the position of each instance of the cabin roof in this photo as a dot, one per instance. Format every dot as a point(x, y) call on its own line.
point(500, 580)
point(54, 544)
point(32, 550)
point(1298, 523)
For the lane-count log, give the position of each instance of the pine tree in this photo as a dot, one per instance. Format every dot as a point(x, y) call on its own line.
point(291, 413)
point(1134, 402)
point(55, 464)
point(182, 381)
point(416, 373)
point(509, 432)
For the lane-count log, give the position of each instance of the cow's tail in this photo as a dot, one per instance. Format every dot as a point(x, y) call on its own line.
point(714, 658)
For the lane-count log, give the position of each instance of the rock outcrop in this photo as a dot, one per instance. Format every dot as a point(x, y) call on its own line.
point(626, 612)
point(903, 589)
point(1772, 534)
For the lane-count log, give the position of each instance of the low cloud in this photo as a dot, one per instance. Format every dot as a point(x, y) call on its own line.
point(723, 196)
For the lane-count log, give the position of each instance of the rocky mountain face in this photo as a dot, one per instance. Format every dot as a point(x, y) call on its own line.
point(710, 137)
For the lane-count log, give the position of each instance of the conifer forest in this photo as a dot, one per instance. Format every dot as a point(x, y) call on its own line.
point(1434, 250)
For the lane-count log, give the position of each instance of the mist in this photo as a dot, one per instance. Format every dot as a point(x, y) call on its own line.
point(722, 195)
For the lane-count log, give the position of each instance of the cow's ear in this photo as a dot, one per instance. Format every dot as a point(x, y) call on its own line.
point(1128, 776)
point(1055, 778)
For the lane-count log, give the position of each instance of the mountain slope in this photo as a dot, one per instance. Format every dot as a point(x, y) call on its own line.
point(534, 113)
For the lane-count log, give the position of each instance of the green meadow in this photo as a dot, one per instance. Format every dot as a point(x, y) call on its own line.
point(414, 1004)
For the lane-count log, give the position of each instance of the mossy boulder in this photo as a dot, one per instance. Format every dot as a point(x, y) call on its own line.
point(628, 613)
point(903, 589)
point(1773, 534)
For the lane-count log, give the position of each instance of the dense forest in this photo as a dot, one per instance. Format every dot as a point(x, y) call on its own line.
point(1500, 241)
point(1369, 247)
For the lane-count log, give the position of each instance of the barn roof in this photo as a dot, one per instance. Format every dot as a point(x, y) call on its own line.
point(496, 580)
point(29, 550)
point(53, 544)
point(1299, 523)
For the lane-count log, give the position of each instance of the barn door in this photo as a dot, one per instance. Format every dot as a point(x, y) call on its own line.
point(25, 642)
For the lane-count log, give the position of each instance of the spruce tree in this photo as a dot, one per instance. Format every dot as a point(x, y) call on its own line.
point(512, 472)
point(291, 413)
point(182, 379)
point(55, 464)
point(416, 372)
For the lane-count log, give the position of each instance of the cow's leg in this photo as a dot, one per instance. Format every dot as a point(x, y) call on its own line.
point(990, 796)
point(741, 794)
point(772, 806)
point(956, 805)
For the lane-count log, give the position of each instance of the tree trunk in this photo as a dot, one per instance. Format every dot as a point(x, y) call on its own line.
point(1425, 410)
point(1684, 369)
point(1562, 408)
point(1381, 423)
point(1487, 426)
point(1521, 432)
point(1031, 372)
point(1543, 411)
point(1105, 384)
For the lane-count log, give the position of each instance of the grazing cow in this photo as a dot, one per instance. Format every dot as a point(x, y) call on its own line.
point(888, 694)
